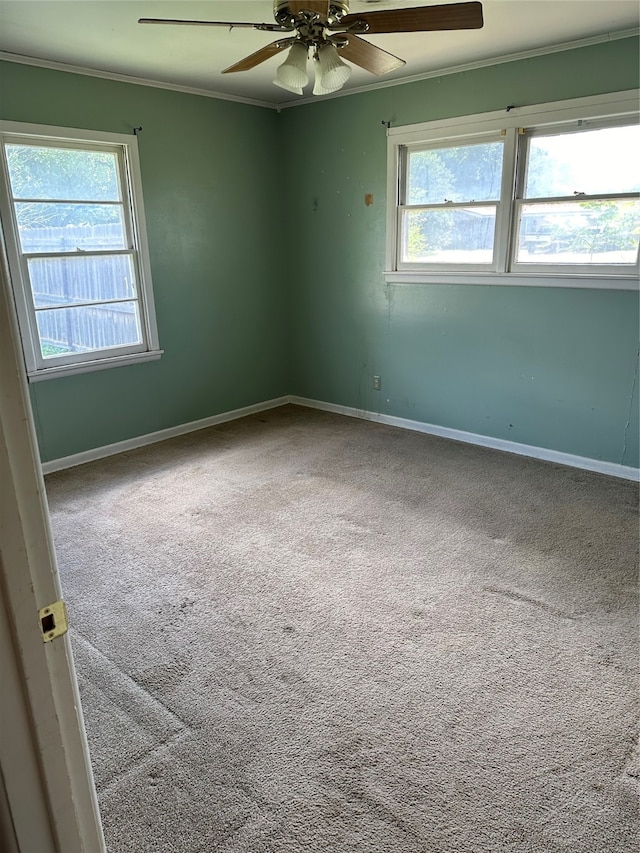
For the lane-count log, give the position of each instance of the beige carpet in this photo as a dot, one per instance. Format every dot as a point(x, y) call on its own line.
point(305, 633)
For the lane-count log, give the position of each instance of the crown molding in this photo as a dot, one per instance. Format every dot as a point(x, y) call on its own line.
point(471, 66)
point(383, 84)
point(23, 59)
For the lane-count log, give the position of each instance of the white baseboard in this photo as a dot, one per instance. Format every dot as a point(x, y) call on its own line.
point(613, 469)
point(160, 435)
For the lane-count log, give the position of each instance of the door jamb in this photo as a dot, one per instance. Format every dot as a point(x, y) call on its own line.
point(58, 751)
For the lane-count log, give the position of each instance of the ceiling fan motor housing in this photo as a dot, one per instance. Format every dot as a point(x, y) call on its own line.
point(284, 14)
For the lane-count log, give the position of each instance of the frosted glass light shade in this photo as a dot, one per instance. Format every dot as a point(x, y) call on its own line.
point(297, 90)
point(292, 74)
point(335, 72)
point(318, 87)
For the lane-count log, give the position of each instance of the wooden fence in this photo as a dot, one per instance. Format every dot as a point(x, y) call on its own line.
point(65, 281)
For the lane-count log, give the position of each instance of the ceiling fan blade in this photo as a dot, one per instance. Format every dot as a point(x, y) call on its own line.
point(259, 56)
point(369, 57)
point(453, 16)
point(321, 7)
point(228, 24)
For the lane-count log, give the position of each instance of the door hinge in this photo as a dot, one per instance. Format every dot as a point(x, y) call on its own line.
point(53, 620)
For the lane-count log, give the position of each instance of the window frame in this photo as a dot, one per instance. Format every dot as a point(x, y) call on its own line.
point(125, 147)
point(515, 125)
point(404, 155)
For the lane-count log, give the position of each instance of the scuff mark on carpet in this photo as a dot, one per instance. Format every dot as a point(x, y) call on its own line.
point(543, 605)
point(80, 639)
point(137, 764)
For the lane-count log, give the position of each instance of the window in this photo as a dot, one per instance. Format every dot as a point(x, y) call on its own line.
point(538, 195)
point(451, 203)
point(579, 204)
point(74, 228)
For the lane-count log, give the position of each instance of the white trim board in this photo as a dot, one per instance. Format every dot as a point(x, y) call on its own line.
point(499, 59)
point(600, 466)
point(52, 65)
point(38, 62)
point(160, 435)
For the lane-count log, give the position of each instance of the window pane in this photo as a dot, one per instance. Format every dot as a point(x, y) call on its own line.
point(465, 173)
point(53, 227)
point(71, 330)
point(63, 173)
point(63, 281)
point(594, 162)
point(580, 232)
point(458, 236)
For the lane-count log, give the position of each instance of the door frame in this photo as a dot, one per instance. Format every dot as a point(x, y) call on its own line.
point(44, 755)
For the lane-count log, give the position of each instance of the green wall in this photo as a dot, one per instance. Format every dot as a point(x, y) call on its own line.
point(267, 285)
point(209, 188)
point(555, 368)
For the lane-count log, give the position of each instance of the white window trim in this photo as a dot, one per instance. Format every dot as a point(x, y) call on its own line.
point(404, 153)
point(150, 350)
point(459, 128)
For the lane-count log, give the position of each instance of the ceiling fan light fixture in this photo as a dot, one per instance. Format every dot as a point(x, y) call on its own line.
point(296, 90)
point(325, 27)
point(292, 74)
point(318, 86)
point(334, 72)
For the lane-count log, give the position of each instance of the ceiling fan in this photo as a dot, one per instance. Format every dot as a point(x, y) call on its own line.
point(326, 28)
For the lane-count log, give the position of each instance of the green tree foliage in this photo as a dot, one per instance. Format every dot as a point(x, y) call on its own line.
point(47, 176)
point(459, 174)
point(463, 173)
point(605, 226)
point(473, 173)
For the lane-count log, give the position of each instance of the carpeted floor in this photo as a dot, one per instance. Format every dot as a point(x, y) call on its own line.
point(304, 633)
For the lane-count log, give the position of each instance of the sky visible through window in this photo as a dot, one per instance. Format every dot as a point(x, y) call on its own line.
point(592, 162)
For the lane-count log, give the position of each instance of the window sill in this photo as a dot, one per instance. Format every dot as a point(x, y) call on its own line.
point(90, 366)
point(513, 279)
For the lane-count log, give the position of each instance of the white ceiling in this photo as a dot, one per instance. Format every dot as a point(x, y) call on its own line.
point(104, 35)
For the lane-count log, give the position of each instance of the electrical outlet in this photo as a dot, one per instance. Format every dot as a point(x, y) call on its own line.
point(377, 383)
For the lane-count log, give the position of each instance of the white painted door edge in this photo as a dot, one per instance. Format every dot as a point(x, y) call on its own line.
point(60, 811)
